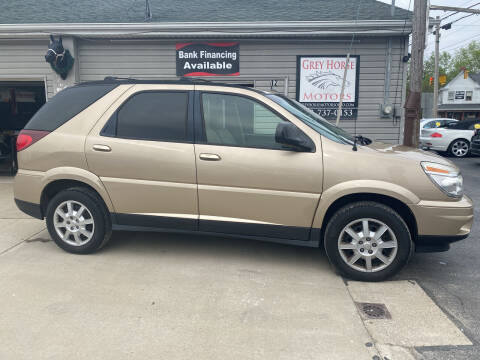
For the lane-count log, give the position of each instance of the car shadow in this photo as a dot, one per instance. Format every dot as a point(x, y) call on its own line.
point(146, 244)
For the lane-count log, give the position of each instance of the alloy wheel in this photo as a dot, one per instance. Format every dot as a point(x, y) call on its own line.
point(74, 223)
point(367, 245)
point(460, 148)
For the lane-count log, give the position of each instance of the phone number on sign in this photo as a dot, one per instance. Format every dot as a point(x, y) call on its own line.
point(333, 112)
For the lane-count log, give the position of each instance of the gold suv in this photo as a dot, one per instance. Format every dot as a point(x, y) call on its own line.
point(198, 157)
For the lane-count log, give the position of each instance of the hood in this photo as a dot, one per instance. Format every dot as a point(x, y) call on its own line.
point(409, 153)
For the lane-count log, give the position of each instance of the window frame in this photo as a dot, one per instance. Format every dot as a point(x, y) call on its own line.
point(200, 132)
point(111, 125)
point(466, 95)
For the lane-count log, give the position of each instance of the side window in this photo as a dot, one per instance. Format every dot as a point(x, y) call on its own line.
point(238, 121)
point(461, 125)
point(154, 115)
point(429, 125)
point(472, 125)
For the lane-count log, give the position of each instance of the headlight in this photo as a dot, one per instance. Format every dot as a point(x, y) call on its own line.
point(447, 178)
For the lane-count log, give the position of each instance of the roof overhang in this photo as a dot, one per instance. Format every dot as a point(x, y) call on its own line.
point(460, 107)
point(289, 29)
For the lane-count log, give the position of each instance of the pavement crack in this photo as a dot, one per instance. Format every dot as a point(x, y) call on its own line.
point(29, 239)
point(37, 240)
point(374, 343)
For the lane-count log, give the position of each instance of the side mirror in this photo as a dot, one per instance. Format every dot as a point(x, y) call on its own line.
point(288, 134)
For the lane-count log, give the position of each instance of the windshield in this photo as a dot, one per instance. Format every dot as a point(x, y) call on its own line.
point(315, 121)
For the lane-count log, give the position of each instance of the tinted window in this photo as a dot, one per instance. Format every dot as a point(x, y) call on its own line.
point(430, 125)
point(65, 105)
point(472, 125)
point(462, 125)
point(155, 115)
point(239, 121)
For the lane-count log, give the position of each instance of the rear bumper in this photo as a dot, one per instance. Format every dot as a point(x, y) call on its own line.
point(29, 208)
point(433, 144)
point(440, 223)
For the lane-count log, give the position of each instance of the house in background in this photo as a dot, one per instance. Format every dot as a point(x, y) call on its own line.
point(460, 98)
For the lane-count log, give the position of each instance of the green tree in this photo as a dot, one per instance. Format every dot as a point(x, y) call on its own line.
point(445, 66)
point(450, 65)
point(468, 57)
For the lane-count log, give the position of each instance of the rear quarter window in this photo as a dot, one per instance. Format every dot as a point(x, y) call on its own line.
point(65, 105)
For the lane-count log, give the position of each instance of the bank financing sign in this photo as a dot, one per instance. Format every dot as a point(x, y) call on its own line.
point(319, 85)
point(208, 59)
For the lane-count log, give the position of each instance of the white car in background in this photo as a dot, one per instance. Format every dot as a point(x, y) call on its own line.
point(435, 122)
point(453, 138)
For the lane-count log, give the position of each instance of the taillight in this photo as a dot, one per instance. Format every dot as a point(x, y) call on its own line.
point(436, 135)
point(29, 137)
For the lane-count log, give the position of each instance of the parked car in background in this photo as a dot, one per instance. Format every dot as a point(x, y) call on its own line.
point(453, 138)
point(211, 158)
point(435, 122)
point(475, 143)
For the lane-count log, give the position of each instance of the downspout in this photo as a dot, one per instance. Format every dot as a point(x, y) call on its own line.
point(388, 70)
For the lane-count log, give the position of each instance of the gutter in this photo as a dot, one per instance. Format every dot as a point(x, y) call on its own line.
point(272, 29)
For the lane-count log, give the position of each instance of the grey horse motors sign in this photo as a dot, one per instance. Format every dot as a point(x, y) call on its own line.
point(319, 84)
point(208, 59)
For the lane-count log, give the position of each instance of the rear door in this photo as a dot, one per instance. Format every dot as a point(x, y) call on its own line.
point(247, 183)
point(142, 150)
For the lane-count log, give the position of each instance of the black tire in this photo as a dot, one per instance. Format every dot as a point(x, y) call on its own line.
point(451, 151)
point(102, 224)
point(375, 211)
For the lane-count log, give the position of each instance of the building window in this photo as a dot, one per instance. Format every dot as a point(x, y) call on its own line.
point(451, 95)
point(459, 95)
point(469, 95)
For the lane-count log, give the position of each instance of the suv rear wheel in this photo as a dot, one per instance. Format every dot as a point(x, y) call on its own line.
point(78, 221)
point(367, 241)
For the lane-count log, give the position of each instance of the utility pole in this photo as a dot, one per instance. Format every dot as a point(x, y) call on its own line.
point(412, 105)
point(437, 45)
point(435, 77)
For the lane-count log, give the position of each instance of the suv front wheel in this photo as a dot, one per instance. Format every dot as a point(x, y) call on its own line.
point(78, 221)
point(367, 241)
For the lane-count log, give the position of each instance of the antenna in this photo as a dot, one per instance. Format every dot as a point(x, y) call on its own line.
point(148, 12)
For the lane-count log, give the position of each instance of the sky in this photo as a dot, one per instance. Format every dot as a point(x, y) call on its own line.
point(462, 31)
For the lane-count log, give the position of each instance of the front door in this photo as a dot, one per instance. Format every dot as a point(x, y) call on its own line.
point(247, 183)
point(144, 155)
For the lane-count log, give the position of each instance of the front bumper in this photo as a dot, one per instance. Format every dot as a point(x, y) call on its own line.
point(440, 223)
point(430, 143)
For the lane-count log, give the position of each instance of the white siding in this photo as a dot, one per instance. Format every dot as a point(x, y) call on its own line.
point(459, 83)
point(22, 59)
point(264, 60)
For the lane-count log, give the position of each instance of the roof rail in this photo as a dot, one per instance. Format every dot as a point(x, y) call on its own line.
point(117, 78)
point(186, 78)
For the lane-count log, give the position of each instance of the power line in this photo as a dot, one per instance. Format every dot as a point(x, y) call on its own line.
point(463, 17)
point(456, 12)
point(458, 45)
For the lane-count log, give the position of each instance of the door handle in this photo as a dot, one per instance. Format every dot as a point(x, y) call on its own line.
point(104, 148)
point(210, 157)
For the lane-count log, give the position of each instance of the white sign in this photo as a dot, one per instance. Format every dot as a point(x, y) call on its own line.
point(319, 84)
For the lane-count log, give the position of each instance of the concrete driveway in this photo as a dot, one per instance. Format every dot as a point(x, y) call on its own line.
point(164, 296)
